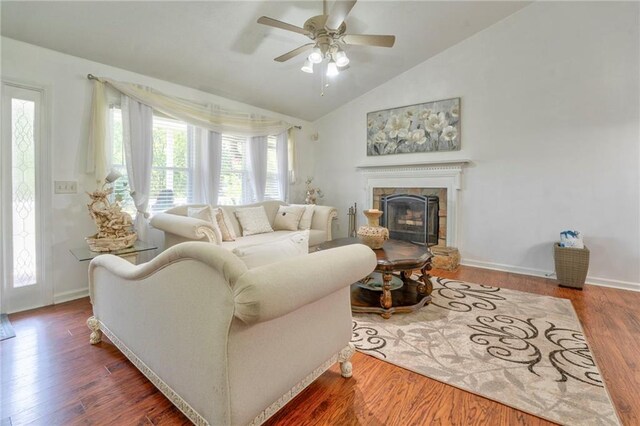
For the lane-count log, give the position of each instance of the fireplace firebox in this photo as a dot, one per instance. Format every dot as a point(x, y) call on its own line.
point(411, 217)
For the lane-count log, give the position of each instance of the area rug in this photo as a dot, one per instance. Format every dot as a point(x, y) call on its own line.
point(6, 330)
point(520, 349)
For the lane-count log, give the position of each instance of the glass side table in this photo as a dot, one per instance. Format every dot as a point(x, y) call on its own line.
point(129, 254)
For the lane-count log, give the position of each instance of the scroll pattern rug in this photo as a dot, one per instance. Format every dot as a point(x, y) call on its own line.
point(520, 349)
point(6, 330)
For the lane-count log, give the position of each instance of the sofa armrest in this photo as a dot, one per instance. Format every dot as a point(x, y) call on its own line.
point(187, 227)
point(276, 289)
point(322, 217)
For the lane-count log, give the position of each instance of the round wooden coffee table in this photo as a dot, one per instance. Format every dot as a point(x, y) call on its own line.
point(395, 259)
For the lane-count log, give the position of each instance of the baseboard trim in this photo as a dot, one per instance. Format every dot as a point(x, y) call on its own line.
point(602, 282)
point(70, 295)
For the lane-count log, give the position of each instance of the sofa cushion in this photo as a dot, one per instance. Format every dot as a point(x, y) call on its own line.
point(255, 239)
point(291, 245)
point(305, 220)
point(287, 218)
point(226, 229)
point(253, 220)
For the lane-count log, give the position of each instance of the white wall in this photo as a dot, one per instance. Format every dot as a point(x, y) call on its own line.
point(69, 93)
point(550, 106)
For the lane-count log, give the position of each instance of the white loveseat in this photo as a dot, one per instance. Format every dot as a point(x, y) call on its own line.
point(227, 344)
point(179, 228)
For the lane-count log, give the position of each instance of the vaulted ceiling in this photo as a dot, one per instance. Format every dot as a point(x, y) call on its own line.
point(218, 47)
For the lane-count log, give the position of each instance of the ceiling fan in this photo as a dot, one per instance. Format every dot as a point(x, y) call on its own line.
point(328, 35)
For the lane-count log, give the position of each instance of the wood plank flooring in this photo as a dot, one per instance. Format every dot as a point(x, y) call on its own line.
point(50, 375)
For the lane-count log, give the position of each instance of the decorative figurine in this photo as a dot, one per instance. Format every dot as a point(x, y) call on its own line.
point(115, 227)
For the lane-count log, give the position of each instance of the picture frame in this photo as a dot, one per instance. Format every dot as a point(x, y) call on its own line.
point(420, 128)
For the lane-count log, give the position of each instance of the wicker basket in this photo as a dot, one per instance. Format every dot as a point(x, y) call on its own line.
point(572, 265)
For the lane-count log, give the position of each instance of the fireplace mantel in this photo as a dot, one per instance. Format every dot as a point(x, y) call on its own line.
point(425, 174)
point(435, 164)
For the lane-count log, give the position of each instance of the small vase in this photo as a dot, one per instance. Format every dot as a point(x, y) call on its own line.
point(372, 234)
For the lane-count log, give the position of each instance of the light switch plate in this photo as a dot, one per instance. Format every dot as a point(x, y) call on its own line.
point(66, 187)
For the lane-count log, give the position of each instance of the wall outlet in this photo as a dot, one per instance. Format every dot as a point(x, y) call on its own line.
point(66, 187)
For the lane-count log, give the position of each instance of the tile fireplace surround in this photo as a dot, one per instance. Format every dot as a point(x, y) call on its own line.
point(436, 175)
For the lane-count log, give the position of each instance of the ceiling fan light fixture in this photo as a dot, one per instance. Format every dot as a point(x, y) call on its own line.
point(307, 67)
point(316, 56)
point(341, 59)
point(332, 69)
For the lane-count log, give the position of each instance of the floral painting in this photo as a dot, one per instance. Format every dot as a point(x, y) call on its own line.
point(428, 127)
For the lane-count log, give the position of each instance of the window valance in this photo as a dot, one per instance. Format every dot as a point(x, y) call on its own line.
point(206, 116)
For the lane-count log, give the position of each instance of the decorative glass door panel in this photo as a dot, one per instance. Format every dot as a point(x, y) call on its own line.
point(23, 180)
point(24, 184)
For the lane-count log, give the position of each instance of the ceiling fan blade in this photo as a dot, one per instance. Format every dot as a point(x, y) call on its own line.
point(339, 12)
point(294, 52)
point(370, 40)
point(264, 20)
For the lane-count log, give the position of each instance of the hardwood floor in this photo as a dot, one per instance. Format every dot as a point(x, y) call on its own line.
point(50, 375)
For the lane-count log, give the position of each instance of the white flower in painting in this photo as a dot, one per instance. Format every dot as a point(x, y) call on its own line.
point(375, 123)
point(380, 137)
point(390, 148)
point(417, 137)
point(424, 115)
point(436, 122)
point(455, 111)
point(449, 133)
point(398, 126)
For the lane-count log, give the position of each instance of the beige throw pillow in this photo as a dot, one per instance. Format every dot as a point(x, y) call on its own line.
point(292, 245)
point(205, 213)
point(225, 228)
point(253, 220)
point(288, 218)
point(307, 216)
point(202, 213)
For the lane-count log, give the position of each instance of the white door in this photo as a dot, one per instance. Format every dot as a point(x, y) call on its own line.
point(25, 203)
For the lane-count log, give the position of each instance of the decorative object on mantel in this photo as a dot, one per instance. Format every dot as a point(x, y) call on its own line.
point(312, 193)
point(372, 234)
point(446, 258)
point(353, 211)
point(115, 227)
point(427, 127)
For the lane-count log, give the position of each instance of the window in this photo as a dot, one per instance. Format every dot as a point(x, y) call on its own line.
point(172, 173)
point(235, 182)
point(172, 168)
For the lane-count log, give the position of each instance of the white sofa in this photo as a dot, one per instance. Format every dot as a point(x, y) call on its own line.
point(227, 344)
point(179, 228)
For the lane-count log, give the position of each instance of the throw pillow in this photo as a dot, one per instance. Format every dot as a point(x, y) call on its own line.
point(202, 213)
point(292, 245)
point(305, 220)
point(288, 218)
point(225, 228)
point(253, 220)
point(205, 213)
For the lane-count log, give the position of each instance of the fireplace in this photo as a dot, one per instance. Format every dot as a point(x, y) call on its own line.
point(443, 179)
point(411, 217)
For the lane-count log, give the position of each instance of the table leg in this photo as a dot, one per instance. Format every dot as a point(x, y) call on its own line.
point(385, 298)
point(425, 286)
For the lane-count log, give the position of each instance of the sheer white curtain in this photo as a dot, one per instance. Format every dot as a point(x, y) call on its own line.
point(97, 159)
point(282, 157)
point(137, 137)
point(257, 150)
point(208, 166)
